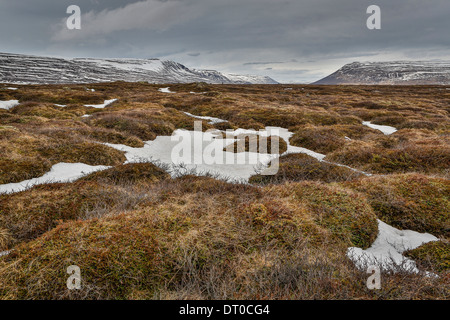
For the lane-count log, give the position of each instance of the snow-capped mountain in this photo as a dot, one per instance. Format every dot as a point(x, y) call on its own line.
point(396, 72)
point(15, 68)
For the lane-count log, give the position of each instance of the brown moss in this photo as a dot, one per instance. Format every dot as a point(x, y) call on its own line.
point(409, 201)
point(129, 173)
point(301, 167)
point(254, 143)
point(346, 214)
point(200, 238)
point(145, 124)
point(5, 239)
point(25, 168)
point(102, 260)
point(60, 95)
point(93, 134)
point(84, 152)
point(433, 256)
point(410, 157)
point(237, 240)
point(42, 110)
point(31, 213)
point(327, 139)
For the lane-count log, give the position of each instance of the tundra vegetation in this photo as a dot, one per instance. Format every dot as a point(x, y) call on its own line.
point(137, 233)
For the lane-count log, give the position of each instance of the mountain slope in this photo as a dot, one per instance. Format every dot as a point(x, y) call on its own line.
point(16, 68)
point(396, 72)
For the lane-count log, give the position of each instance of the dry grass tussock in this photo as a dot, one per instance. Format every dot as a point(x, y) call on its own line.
point(136, 233)
point(199, 238)
point(301, 167)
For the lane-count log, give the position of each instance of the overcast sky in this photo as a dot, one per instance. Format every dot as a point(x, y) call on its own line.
point(288, 40)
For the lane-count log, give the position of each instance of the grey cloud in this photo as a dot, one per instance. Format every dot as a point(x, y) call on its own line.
point(149, 14)
point(260, 63)
point(238, 36)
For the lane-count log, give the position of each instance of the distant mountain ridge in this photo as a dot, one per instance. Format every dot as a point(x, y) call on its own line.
point(391, 73)
point(26, 69)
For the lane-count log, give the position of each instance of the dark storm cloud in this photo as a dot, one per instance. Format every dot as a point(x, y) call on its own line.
point(241, 36)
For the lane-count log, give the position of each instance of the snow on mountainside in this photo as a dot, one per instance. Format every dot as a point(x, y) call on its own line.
point(250, 78)
point(15, 68)
point(396, 72)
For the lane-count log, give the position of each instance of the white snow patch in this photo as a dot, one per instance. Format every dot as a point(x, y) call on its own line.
point(293, 149)
point(345, 166)
point(211, 120)
point(387, 130)
point(165, 90)
point(154, 65)
point(8, 104)
point(227, 165)
point(4, 253)
point(254, 79)
point(387, 249)
point(60, 105)
point(86, 116)
point(11, 88)
point(235, 166)
point(101, 106)
point(61, 172)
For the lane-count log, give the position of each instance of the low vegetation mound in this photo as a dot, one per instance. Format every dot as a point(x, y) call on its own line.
point(255, 143)
point(129, 173)
point(136, 233)
point(326, 139)
point(301, 167)
point(179, 236)
point(409, 201)
point(402, 158)
point(432, 256)
point(146, 124)
point(345, 214)
point(28, 214)
point(27, 155)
